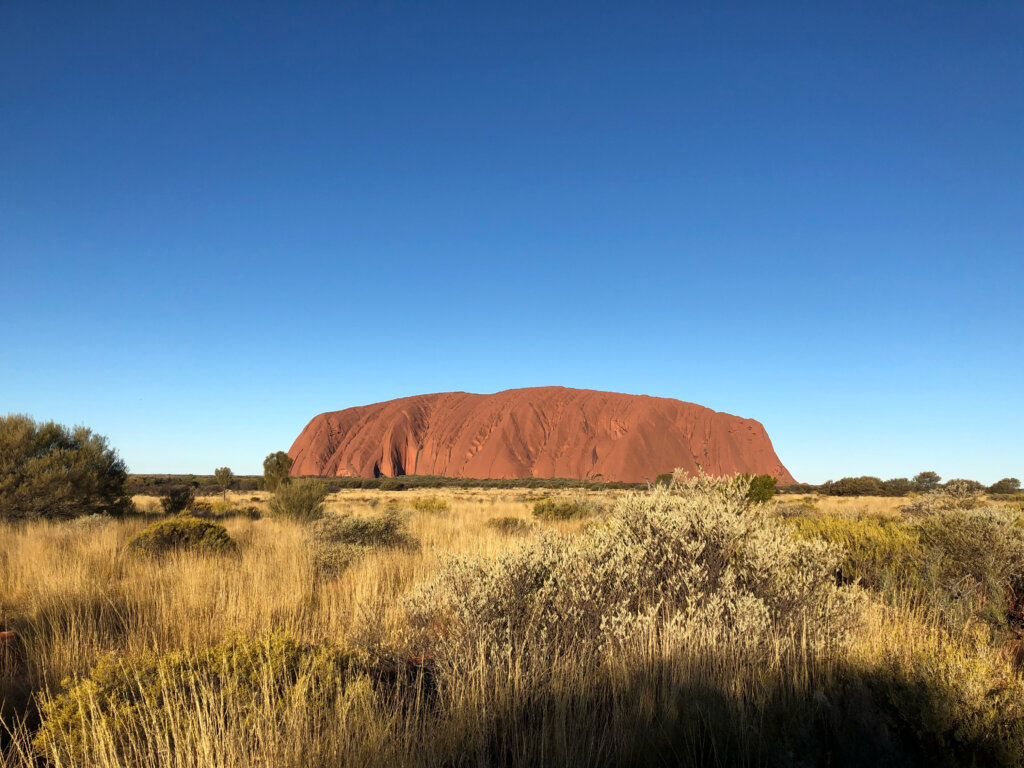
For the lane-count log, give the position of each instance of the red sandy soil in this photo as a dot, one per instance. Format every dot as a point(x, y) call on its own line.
point(537, 432)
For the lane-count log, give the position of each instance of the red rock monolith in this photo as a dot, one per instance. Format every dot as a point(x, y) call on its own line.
point(537, 432)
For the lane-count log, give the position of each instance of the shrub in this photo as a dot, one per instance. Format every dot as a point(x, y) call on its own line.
point(926, 481)
point(665, 478)
point(564, 509)
point(434, 505)
point(49, 470)
point(976, 561)
point(299, 500)
point(762, 489)
point(339, 540)
point(898, 486)
point(1008, 485)
point(385, 530)
point(855, 486)
point(177, 500)
point(703, 563)
point(221, 510)
point(239, 682)
point(276, 470)
point(799, 508)
point(188, 534)
point(509, 525)
point(883, 555)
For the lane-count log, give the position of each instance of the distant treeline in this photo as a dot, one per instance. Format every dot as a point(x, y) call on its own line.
point(156, 485)
point(899, 486)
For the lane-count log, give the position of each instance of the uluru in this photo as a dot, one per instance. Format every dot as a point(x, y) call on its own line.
point(542, 432)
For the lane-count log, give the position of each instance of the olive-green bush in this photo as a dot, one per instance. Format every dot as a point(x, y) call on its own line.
point(178, 500)
point(337, 541)
point(49, 470)
point(301, 500)
point(509, 525)
point(883, 555)
point(434, 505)
point(183, 534)
point(113, 707)
point(564, 509)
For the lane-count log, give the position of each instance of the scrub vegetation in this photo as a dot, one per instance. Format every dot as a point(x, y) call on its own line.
point(684, 624)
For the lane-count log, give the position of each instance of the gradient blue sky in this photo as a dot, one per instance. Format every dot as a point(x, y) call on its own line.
point(218, 219)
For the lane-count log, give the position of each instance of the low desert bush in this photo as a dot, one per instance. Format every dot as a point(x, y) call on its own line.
point(189, 534)
point(339, 540)
point(388, 529)
point(975, 561)
point(509, 525)
point(702, 563)
point(242, 684)
point(177, 500)
point(300, 500)
point(434, 505)
point(564, 509)
point(800, 508)
point(883, 555)
point(219, 509)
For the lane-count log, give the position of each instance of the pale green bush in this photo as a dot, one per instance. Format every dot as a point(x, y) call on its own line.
point(697, 557)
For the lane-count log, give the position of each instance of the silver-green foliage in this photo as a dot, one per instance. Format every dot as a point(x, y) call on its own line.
point(698, 560)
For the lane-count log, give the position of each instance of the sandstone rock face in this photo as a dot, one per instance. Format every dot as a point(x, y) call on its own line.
point(538, 432)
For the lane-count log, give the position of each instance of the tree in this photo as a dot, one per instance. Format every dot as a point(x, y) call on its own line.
point(926, 481)
point(50, 470)
point(224, 477)
point(275, 470)
point(898, 486)
point(1006, 485)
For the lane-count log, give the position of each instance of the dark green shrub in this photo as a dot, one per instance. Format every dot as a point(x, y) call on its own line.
point(855, 486)
point(1007, 485)
point(276, 470)
point(762, 489)
point(189, 534)
point(665, 478)
point(564, 509)
point(509, 525)
point(221, 510)
point(251, 677)
point(49, 470)
point(898, 486)
point(225, 478)
point(926, 481)
point(300, 500)
point(177, 500)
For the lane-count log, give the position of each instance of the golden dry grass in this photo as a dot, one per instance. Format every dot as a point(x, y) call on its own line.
point(74, 596)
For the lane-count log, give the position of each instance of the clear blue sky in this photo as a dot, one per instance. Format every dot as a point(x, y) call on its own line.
point(218, 219)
